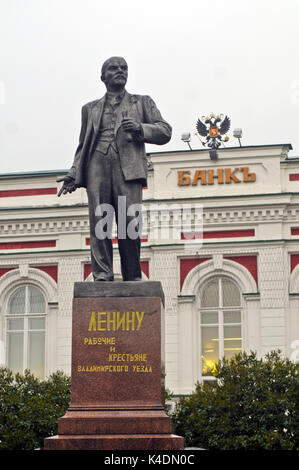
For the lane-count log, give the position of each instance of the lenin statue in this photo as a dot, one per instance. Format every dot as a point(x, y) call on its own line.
point(110, 162)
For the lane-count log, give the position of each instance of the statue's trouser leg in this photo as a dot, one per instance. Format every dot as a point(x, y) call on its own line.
point(106, 185)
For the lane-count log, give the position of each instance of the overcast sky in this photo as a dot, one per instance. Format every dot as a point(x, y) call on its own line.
point(193, 57)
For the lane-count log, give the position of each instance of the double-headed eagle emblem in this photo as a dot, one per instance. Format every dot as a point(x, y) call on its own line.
point(213, 128)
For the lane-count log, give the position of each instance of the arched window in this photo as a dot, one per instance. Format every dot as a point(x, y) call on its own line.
point(220, 322)
point(25, 330)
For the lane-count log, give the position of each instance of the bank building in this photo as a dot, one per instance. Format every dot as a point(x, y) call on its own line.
point(221, 234)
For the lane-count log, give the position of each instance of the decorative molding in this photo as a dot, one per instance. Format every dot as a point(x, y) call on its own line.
point(218, 261)
point(186, 298)
point(53, 305)
point(248, 296)
point(23, 268)
point(13, 279)
point(187, 264)
point(48, 224)
point(206, 270)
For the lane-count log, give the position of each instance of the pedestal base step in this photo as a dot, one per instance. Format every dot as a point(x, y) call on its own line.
point(115, 442)
point(114, 422)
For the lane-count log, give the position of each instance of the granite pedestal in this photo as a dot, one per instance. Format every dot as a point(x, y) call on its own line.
point(117, 353)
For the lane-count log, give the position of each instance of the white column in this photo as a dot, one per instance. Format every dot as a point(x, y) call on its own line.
point(252, 324)
point(51, 335)
point(186, 337)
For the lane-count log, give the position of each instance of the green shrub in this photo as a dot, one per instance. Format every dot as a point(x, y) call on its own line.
point(30, 408)
point(253, 405)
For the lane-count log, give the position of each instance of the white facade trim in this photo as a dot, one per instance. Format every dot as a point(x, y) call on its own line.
point(207, 269)
point(26, 275)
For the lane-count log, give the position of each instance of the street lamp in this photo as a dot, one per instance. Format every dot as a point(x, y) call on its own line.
point(238, 135)
point(186, 137)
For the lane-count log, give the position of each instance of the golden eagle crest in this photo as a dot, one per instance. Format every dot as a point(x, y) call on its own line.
point(213, 128)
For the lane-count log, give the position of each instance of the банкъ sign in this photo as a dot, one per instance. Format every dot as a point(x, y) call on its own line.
point(221, 176)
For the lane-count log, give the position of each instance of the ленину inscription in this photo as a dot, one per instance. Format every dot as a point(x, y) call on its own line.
point(113, 321)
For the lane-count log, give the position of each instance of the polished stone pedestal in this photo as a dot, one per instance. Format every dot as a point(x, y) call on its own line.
point(117, 353)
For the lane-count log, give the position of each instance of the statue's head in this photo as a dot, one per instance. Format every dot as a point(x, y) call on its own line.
point(114, 72)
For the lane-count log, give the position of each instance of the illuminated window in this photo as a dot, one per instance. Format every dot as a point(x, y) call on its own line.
point(220, 322)
point(25, 330)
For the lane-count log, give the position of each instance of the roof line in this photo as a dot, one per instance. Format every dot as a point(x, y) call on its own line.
point(30, 174)
point(25, 174)
point(290, 147)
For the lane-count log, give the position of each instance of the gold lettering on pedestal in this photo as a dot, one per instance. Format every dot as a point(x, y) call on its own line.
point(102, 368)
point(128, 357)
point(93, 341)
point(113, 321)
point(139, 368)
point(142, 368)
point(106, 321)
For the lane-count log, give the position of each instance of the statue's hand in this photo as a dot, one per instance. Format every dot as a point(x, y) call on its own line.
point(68, 185)
point(129, 125)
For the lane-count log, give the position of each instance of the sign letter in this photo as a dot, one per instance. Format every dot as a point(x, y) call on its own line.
point(230, 175)
point(248, 177)
point(184, 180)
point(199, 175)
point(219, 175)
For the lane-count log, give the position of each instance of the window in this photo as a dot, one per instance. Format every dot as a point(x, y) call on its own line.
point(25, 330)
point(220, 322)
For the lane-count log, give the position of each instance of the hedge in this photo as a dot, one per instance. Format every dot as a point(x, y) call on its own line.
point(30, 408)
point(253, 405)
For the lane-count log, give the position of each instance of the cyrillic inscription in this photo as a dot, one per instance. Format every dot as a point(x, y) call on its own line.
point(219, 175)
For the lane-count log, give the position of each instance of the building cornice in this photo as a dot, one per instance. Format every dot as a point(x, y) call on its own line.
point(200, 199)
point(225, 149)
point(55, 223)
point(32, 174)
point(46, 173)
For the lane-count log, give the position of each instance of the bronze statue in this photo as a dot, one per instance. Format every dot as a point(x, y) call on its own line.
point(110, 162)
